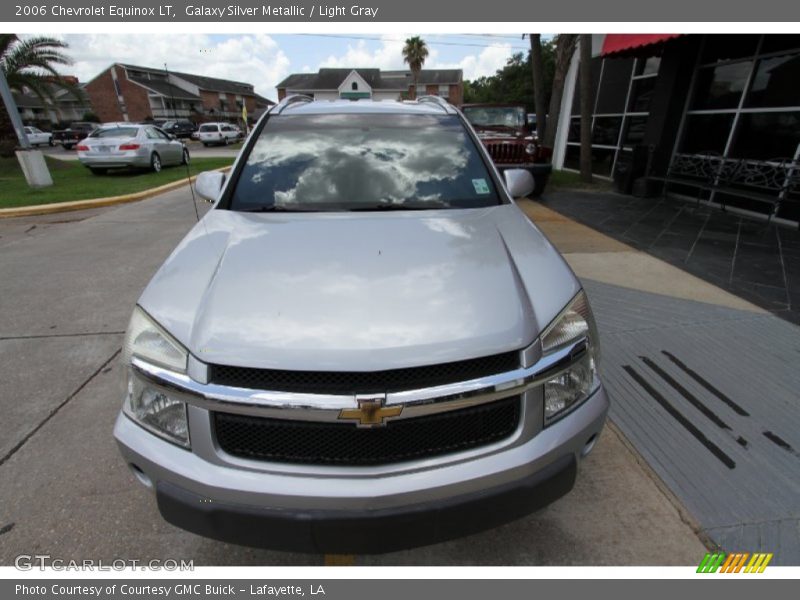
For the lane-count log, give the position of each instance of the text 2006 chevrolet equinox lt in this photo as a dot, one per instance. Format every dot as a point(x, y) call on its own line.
point(364, 345)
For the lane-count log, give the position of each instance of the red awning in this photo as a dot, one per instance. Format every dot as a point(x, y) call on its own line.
point(619, 42)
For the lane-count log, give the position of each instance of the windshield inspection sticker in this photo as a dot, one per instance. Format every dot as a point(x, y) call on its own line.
point(480, 185)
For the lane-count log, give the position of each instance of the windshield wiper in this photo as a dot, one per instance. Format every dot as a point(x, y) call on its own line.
point(389, 206)
point(276, 208)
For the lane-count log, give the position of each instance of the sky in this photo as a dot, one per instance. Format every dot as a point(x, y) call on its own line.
point(264, 60)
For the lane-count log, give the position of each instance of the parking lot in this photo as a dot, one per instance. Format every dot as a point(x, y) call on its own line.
point(69, 284)
point(196, 149)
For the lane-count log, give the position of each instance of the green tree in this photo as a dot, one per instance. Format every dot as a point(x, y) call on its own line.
point(30, 65)
point(513, 83)
point(414, 54)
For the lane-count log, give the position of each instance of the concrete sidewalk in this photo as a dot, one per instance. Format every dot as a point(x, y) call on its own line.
point(704, 385)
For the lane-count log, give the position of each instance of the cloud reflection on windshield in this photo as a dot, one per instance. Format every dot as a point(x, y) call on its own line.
point(346, 159)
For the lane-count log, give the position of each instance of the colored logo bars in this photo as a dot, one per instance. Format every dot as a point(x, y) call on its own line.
point(734, 562)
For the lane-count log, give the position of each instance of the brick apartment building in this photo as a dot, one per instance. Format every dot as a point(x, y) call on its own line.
point(63, 107)
point(132, 93)
point(329, 84)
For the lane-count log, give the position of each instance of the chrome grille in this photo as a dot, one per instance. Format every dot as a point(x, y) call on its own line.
point(287, 441)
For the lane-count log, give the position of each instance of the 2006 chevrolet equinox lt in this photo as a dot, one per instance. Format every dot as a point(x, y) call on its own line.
point(364, 345)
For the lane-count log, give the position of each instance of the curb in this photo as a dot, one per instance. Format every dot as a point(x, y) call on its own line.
point(58, 207)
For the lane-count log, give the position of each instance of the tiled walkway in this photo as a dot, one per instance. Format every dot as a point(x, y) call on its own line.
point(702, 383)
point(749, 258)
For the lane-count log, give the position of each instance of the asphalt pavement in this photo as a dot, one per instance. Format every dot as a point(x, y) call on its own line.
point(68, 287)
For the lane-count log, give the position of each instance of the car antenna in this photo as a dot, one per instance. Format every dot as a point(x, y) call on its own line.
point(188, 172)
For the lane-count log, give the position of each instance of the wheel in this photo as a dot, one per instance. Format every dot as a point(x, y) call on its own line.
point(204, 144)
point(225, 141)
point(155, 163)
point(50, 142)
point(67, 146)
point(98, 171)
point(185, 158)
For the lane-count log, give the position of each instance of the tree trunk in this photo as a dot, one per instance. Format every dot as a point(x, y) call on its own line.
point(537, 69)
point(585, 74)
point(565, 48)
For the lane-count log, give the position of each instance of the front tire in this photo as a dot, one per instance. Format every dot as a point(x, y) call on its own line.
point(185, 157)
point(155, 163)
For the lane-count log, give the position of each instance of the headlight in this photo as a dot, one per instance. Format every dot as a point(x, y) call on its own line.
point(576, 382)
point(146, 340)
point(152, 408)
point(530, 149)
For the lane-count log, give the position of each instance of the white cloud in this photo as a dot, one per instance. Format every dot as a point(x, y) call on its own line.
point(255, 58)
point(486, 63)
point(389, 56)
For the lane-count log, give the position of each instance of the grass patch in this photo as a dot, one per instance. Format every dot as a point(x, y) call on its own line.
point(73, 181)
point(569, 180)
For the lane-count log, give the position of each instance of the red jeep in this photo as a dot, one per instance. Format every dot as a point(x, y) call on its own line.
point(510, 140)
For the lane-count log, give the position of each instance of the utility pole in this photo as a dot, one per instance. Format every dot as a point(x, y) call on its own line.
point(32, 162)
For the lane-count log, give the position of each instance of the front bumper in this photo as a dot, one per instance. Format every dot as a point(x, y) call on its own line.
point(360, 510)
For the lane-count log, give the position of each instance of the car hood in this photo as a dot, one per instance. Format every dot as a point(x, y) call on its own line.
point(359, 291)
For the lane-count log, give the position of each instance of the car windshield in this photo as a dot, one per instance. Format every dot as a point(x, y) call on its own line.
point(208, 128)
point(363, 162)
point(114, 132)
point(496, 116)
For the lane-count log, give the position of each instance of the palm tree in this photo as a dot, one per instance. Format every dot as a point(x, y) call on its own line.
point(414, 53)
point(30, 65)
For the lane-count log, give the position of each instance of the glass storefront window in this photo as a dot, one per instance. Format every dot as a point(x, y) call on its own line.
point(780, 42)
point(602, 160)
point(605, 131)
point(614, 86)
point(720, 87)
point(728, 46)
point(762, 136)
point(574, 130)
point(642, 94)
point(706, 133)
point(776, 82)
point(648, 66)
point(597, 64)
point(634, 131)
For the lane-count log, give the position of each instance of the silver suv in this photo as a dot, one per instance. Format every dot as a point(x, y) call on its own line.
point(364, 346)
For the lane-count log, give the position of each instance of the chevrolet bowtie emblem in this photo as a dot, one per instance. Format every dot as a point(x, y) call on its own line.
point(371, 411)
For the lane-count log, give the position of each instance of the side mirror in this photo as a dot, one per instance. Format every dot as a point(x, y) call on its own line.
point(209, 184)
point(519, 182)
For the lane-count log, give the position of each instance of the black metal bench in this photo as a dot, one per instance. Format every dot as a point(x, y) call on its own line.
point(766, 181)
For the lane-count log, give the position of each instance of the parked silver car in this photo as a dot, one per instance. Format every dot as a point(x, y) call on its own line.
point(364, 345)
point(130, 145)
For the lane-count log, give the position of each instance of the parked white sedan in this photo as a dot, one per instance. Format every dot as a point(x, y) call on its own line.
point(37, 137)
point(130, 145)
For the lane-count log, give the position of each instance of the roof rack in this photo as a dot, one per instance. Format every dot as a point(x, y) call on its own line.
point(289, 100)
point(444, 104)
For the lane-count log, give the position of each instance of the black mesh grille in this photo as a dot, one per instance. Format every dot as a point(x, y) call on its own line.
point(344, 382)
point(287, 441)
